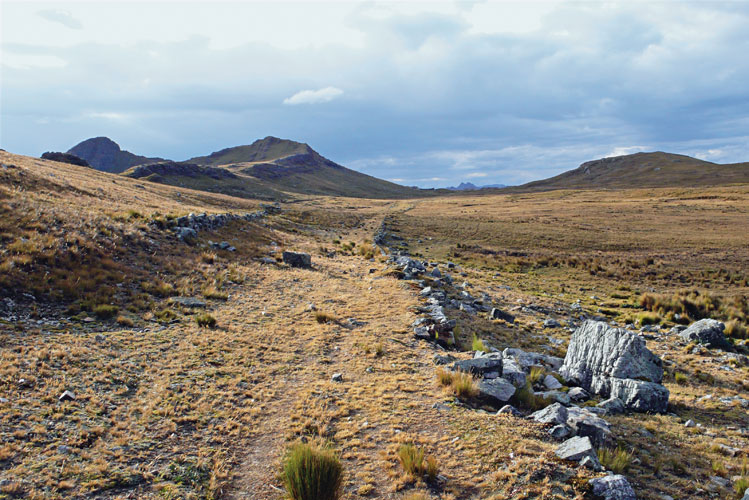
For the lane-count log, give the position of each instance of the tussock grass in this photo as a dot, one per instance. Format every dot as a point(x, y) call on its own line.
point(323, 317)
point(740, 486)
point(214, 293)
point(617, 460)
point(681, 379)
point(205, 320)
point(461, 384)
point(125, 321)
point(312, 473)
point(105, 311)
point(416, 464)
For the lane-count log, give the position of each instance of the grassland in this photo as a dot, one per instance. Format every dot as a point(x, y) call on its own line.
point(166, 408)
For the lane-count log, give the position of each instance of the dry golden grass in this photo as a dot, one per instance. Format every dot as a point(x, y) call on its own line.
point(167, 409)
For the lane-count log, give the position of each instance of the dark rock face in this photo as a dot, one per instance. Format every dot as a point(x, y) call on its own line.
point(614, 362)
point(65, 158)
point(297, 259)
point(170, 168)
point(104, 154)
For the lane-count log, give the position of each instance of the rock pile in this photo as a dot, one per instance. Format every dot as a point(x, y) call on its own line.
point(186, 228)
point(613, 362)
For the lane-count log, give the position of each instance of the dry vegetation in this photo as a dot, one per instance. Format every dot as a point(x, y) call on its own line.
point(168, 408)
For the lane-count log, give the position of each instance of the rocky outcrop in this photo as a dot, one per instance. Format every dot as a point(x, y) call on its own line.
point(174, 169)
point(614, 362)
point(65, 158)
point(708, 332)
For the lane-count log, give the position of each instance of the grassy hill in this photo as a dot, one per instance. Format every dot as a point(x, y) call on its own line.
point(644, 170)
point(297, 168)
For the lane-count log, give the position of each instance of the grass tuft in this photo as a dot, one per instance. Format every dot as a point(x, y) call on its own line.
point(323, 317)
point(106, 311)
point(617, 460)
point(478, 344)
point(205, 320)
point(312, 473)
point(415, 464)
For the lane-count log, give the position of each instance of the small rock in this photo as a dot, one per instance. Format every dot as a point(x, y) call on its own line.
point(551, 323)
point(499, 314)
point(553, 414)
point(479, 366)
point(552, 383)
point(560, 432)
point(613, 406)
point(592, 463)
point(578, 394)
point(511, 410)
point(575, 449)
point(615, 487)
point(65, 450)
point(67, 396)
point(689, 423)
point(337, 377)
point(497, 390)
point(297, 259)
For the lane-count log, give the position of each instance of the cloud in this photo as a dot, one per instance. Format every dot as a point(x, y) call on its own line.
point(326, 94)
point(61, 17)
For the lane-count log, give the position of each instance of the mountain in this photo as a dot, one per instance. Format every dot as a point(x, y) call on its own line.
point(104, 154)
point(469, 186)
point(637, 170)
point(295, 167)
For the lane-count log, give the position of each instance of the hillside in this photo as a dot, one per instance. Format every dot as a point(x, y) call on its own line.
point(644, 170)
point(205, 178)
point(140, 363)
point(104, 154)
point(296, 167)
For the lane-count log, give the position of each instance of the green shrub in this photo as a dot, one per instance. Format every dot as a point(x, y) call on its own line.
point(740, 486)
point(105, 311)
point(165, 315)
point(205, 320)
point(478, 344)
point(645, 318)
point(312, 473)
point(681, 379)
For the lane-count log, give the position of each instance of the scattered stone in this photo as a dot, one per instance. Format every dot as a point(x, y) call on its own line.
point(612, 406)
point(615, 487)
point(442, 360)
point(552, 414)
point(268, 260)
point(100, 339)
point(186, 234)
point(499, 314)
point(585, 423)
point(591, 463)
point(575, 449)
point(436, 273)
point(708, 332)
point(479, 366)
point(512, 372)
point(497, 390)
point(511, 410)
point(551, 383)
point(65, 450)
point(689, 423)
point(67, 396)
point(527, 360)
point(578, 394)
point(297, 259)
point(560, 432)
point(551, 323)
point(337, 377)
point(187, 302)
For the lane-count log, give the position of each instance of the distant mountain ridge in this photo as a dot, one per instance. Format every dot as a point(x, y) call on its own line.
point(104, 154)
point(469, 186)
point(639, 170)
point(268, 168)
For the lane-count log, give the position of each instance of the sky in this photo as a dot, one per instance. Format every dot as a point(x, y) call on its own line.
point(420, 93)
